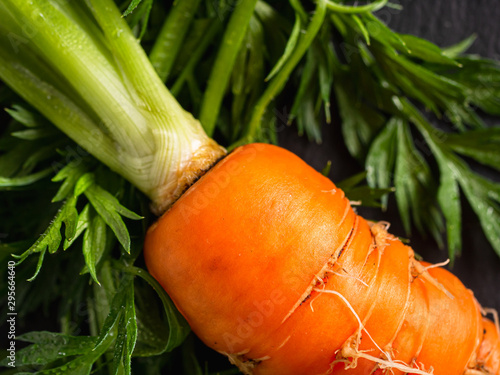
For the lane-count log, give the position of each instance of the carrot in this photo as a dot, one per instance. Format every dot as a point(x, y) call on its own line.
point(263, 256)
point(270, 266)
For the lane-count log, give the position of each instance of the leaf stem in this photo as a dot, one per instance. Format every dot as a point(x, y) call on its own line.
point(171, 36)
point(277, 83)
point(9, 183)
point(197, 54)
point(179, 328)
point(339, 8)
point(83, 68)
point(222, 68)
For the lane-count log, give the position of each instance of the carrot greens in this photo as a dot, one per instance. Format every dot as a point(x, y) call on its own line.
point(102, 99)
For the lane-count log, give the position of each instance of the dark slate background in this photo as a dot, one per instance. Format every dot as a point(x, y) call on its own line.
point(444, 22)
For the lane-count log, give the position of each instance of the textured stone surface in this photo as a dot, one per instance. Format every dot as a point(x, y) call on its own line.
point(446, 22)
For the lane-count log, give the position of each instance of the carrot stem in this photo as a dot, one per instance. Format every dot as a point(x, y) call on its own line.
point(277, 83)
point(80, 65)
point(171, 36)
point(226, 57)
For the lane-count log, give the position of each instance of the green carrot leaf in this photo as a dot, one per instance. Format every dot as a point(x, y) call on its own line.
point(35, 133)
point(110, 209)
point(83, 183)
point(69, 174)
point(177, 326)
point(48, 347)
point(484, 198)
point(360, 122)
point(81, 365)
point(424, 50)
point(415, 190)
point(458, 49)
point(360, 194)
point(131, 7)
point(153, 328)
point(138, 17)
point(483, 145)
point(382, 156)
point(131, 328)
point(94, 244)
point(120, 326)
point(82, 223)
point(51, 238)
point(25, 116)
point(326, 169)
point(116, 311)
point(352, 181)
point(7, 183)
point(449, 201)
point(326, 62)
point(303, 91)
point(481, 77)
point(290, 45)
point(380, 32)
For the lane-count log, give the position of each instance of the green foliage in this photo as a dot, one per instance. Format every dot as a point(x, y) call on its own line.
point(482, 193)
point(48, 347)
point(229, 62)
point(379, 124)
point(361, 194)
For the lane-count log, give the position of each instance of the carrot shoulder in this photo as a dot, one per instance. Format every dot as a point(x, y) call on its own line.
point(270, 265)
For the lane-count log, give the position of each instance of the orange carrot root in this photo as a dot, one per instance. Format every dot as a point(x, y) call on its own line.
point(271, 266)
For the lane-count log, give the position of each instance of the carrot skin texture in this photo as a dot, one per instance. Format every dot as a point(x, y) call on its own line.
point(489, 352)
point(254, 252)
point(213, 249)
point(445, 316)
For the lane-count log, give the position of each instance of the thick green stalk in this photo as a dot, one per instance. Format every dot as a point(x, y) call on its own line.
point(60, 41)
point(82, 63)
point(59, 108)
point(169, 41)
point(226, 57)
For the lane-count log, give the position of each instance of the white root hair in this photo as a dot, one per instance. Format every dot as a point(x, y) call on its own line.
point(494, 313)
point(361, 326)
point(420, 270)
point(355, 353)
point(245, 365)
point(332, 191)
point(349, 276)
point(324, 270)
point(437, 265)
